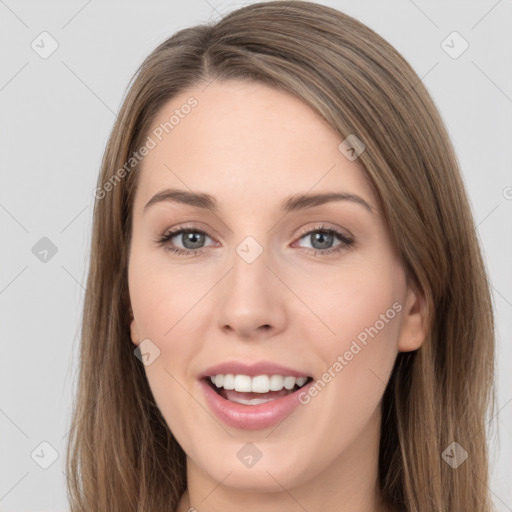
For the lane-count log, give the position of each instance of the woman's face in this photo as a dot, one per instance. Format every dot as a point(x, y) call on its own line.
point(259, 280)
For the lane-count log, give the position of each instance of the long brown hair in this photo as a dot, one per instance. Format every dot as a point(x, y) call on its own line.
point(121, 455)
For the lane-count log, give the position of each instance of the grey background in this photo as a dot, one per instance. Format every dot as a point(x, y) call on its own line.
point(56, 117)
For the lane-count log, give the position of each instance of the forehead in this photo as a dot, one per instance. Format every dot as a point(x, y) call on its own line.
point(245, 142)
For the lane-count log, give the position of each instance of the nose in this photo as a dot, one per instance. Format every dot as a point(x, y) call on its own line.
point(251, 302)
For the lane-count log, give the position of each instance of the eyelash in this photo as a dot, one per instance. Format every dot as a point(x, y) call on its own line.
point(163, 240)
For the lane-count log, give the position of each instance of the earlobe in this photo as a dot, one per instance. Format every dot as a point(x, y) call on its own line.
point(414, 324)
point(133, 329)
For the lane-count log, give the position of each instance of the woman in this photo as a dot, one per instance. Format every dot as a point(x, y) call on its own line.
point(286, 305)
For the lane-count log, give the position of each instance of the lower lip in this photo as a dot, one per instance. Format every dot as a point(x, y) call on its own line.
point(251, 417)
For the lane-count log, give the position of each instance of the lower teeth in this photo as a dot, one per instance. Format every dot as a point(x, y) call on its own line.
point(253, 401)
point(245, 398)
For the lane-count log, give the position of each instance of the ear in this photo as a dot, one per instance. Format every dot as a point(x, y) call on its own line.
point(134, 331)
point(414, 324)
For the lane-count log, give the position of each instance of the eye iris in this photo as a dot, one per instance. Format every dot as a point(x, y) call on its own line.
point(322, 236)
point(189, 236)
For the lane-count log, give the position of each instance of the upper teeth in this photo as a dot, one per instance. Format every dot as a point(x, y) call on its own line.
point(258, 384)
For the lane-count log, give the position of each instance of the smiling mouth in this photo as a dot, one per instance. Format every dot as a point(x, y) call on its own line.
point(252, 398)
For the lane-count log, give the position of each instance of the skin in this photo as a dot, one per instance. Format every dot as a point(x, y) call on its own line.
point(251, 146)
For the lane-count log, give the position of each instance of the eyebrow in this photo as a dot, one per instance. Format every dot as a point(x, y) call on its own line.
point(293, 203)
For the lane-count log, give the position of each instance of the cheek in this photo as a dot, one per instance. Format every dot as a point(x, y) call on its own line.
point(352, 299)
point(162, 294)
point(364, 312)
point(164, 302)
point(368, 312)
point(361, 308)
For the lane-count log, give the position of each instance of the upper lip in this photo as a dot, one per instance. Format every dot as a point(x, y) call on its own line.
point(252, 369)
